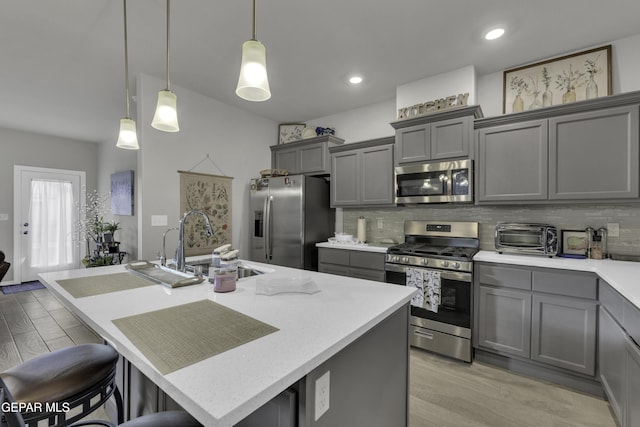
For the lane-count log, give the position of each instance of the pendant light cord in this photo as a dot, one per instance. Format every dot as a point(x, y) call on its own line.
point(168, 81)
point(254, 21)
point(126, 58)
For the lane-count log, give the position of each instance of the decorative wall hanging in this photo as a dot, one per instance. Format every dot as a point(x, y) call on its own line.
point(122, 193)
point(212, 194)
point(570, 78)
point(289, 132)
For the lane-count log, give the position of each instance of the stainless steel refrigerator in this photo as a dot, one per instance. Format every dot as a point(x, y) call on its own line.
point(289, 215)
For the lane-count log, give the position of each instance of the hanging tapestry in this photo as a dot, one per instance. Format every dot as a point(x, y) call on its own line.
point(211, 194)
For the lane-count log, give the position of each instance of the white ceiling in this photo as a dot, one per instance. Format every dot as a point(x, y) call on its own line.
point(62, 61)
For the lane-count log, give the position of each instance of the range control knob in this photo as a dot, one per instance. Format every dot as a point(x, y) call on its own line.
point(395, 258)
point(405, 259)
point(444, 263)
point(424, 261)
point(455, 264)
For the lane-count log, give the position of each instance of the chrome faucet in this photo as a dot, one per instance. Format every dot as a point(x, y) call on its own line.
point(180, 264)
point(163, 254)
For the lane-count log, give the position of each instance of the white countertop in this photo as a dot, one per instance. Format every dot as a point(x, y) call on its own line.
point(369, 247)
point(623, 276)
point(224, 389)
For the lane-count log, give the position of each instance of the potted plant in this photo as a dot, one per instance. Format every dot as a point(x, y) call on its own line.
point(112, 227)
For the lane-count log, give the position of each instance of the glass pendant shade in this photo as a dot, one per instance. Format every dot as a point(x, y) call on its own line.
point(166, 116)
point(253, 84)
point(128, 138)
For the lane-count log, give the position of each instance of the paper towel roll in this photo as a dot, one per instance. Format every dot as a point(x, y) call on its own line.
point(362, 229)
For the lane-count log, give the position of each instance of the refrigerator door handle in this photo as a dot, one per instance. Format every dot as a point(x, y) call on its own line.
point(267, 227)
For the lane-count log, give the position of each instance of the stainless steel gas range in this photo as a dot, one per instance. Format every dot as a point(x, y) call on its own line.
point(446, 248)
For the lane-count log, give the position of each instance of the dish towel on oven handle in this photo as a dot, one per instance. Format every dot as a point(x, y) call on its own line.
point(428, 284)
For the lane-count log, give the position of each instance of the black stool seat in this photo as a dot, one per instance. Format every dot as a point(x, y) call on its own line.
point(73, 375)
point(54, 377)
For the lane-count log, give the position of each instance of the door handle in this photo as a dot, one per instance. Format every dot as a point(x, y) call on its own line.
point(25, 232)
point(26, 224)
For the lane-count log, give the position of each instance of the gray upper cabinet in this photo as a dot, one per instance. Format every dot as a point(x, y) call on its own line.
point(512, 162)
point(443, 135)
point(595, 155)
point(307, 157)
point(580, 152)
point(362, 173)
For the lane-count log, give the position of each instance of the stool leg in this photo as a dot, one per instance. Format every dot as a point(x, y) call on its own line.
point(119, 405)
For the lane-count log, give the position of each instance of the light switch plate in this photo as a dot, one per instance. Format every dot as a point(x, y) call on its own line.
point(322, 395)
point(159, 220)
point(4, 217)
point(613, 229)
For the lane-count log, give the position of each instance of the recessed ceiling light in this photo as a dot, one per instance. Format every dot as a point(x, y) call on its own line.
point(354, 80)
point(494, 34)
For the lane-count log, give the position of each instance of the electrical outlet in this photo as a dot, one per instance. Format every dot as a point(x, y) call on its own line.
point(322, 395)
point(613, 229)
point(158, 220)
point(4, 217)
point(380, 223)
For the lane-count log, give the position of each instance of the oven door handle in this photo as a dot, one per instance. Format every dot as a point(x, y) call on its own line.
point(445, 274)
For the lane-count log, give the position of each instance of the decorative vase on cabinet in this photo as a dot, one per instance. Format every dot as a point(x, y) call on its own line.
point(518, 104)
point(591, 90)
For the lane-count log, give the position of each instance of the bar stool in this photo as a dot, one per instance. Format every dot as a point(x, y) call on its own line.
point(70, 377)
point(12, 418)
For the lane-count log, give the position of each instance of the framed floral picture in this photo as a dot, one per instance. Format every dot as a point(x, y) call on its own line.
point(561, 80)
point(289, 132)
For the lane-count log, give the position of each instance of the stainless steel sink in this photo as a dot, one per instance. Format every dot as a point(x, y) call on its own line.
point(243, 271)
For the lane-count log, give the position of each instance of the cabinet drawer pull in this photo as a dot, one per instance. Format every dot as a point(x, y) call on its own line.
point(426, 335)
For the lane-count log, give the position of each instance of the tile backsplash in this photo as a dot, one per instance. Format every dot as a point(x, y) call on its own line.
point(567, 217)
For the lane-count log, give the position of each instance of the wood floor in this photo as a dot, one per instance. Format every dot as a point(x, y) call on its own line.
point(444, 392)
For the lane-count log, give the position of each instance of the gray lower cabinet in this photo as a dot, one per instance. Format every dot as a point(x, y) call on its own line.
point(362, 174)
point(632, 408)
point(612, 361)
point(544, 315)
point(505, 321)
point(619, 355)
point(512, 162)
point(352, 263)
point(307, 157)
point(563, 332)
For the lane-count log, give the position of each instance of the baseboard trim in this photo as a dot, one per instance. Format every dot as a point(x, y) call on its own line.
point(585, 385)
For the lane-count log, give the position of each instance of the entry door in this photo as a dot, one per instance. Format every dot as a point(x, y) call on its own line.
point(46, 210)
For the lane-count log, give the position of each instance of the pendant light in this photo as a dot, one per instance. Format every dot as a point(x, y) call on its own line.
point(166, 116)
point(253, 84)
point(127, 138)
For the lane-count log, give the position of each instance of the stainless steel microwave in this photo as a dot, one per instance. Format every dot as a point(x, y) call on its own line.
point(534, 239)
point(434, 182)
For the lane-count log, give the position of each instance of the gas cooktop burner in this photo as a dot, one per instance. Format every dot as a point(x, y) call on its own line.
point(421, 249)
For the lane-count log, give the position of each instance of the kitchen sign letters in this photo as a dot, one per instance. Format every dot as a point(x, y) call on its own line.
point(428, 107)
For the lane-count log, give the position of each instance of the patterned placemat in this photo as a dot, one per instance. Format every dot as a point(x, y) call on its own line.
point(176, 337)
point(104, 284)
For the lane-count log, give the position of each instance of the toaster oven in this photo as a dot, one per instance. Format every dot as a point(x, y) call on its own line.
point(533, 239)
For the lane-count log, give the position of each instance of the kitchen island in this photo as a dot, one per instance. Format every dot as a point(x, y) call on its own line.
point(331, 331)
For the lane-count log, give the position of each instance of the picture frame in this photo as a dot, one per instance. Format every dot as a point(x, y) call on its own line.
point(560, 80)
point(289, 132)
point(122, 193)
point(575, 242)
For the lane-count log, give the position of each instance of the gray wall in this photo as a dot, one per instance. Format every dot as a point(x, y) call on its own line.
point(113, 160)
point(237, 142)
point(31, 149)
